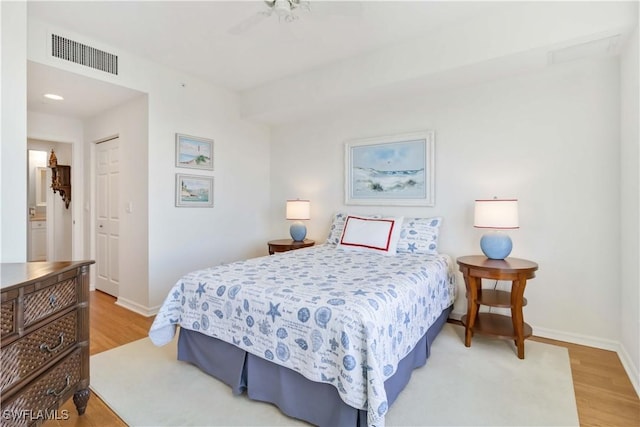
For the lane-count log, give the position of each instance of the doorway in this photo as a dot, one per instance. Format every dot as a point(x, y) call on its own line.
point(49, 220)
point(37, 205)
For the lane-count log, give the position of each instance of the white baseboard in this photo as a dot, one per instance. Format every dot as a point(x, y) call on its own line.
point(137, 308)
point(632, 371)
point(574, 338)
point(589, 341)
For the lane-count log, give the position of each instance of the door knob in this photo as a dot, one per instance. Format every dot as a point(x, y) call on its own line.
point(100, 226)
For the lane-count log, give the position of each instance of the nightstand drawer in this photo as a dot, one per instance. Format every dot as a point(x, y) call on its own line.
point(50, 300)
point(25, 356)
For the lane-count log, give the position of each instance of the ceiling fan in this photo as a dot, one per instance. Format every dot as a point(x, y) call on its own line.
point(285, 10)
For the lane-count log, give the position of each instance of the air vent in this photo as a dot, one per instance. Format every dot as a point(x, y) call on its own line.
point(82, 54)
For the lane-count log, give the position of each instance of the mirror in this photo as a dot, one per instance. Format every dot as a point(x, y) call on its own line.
point(41, 186)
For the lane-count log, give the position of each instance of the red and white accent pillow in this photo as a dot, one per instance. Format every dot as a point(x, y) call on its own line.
point(379, 235)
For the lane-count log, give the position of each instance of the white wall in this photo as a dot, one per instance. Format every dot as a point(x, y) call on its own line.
point(130, 123)
point(550, 139)
point(182, 239)
point(13, 131)
point(630, 209)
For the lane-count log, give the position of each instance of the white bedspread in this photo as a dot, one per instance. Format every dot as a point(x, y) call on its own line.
point(339, 317)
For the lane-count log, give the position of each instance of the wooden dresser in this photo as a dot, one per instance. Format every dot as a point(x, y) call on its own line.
point(44, 350)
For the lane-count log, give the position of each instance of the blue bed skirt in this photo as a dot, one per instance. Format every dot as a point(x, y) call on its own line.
point(292, 393)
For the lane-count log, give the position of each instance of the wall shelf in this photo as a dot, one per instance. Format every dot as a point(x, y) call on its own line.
point(61, 182)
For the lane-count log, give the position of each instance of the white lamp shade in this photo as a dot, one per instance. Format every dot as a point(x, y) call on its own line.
point(298, 209)
point(496, 213)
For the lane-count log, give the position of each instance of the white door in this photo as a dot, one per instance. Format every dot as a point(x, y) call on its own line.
point(107, 216)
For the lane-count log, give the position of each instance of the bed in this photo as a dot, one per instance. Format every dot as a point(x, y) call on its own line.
point(328, 334)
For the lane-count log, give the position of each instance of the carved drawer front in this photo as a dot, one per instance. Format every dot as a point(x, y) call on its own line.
point(32, 351)
point(8, 318)
point(40, 395)
point(40, 304)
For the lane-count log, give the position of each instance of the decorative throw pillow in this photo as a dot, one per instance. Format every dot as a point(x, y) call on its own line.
point(419, 235)
point(371, 234)
point(337, 226)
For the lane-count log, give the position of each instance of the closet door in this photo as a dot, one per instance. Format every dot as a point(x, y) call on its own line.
point(108, 216)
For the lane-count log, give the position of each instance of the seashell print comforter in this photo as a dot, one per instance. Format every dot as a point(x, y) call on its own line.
point(334, 316)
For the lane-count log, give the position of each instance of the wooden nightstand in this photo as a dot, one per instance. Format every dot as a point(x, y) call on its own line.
point(477, 267)
point(284, 245)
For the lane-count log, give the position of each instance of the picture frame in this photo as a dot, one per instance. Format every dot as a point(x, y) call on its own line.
point(396, 170)
point(194, 152)
point(194, 191)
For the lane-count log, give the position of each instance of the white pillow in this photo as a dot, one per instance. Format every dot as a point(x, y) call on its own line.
point(371, 234)
point(337, 226)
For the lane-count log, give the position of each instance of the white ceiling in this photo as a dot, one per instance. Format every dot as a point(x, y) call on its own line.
point(84, 97)
point(195, 37)
point(200, 38)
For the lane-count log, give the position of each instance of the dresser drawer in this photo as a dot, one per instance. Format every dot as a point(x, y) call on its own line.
point(23, 357)
point(56, 385)
point(50, 300)
point(8, 325)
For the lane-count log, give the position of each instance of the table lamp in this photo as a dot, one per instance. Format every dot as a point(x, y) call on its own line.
point(298, 210)
point(496, 214)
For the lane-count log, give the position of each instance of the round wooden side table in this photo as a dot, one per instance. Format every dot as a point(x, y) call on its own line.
point(474, 268)
point(284, 245)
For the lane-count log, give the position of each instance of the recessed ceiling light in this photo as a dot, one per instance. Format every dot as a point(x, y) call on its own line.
point(53, 96)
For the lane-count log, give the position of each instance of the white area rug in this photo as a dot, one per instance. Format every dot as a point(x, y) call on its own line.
point(485, 384)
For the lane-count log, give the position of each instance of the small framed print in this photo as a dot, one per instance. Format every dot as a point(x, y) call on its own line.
point(194, 191)
point(194, 152)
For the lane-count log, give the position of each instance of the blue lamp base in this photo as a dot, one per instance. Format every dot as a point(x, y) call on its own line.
point(496, 245)
point(298, 231)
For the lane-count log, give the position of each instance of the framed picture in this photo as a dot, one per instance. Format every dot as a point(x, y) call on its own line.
point(194, 191)
point(194, 152)
point(395, 170)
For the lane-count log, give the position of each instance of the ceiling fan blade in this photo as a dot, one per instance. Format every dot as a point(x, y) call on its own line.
point(249, 23)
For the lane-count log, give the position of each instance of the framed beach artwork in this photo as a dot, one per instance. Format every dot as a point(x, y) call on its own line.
point(194, 191)
point(194, 152)
point(395, 170)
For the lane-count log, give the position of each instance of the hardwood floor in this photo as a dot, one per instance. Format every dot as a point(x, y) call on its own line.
point(604, 394)
point(111, 326)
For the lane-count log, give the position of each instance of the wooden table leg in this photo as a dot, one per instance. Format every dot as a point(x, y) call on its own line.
point(517, 295)
point(472, 307)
